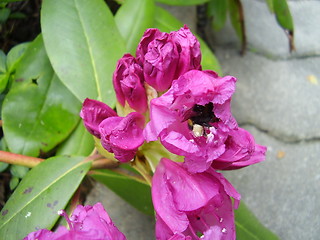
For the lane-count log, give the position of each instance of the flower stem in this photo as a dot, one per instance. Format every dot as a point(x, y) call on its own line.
point(18, 159)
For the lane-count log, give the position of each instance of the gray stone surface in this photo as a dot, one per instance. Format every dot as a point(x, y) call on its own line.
point(276, 96)
point(284, 190)
point(134, 224)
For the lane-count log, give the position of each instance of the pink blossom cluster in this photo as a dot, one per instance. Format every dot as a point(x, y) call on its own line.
point(164, 95)
point(172, 100)
point(86, 223)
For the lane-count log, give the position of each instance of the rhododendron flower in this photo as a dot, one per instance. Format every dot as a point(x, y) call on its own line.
point(86, 223)
point(119, 135)
point(241, 151)
point(122, 135)
point(128, 83)
point(192, 204)
point(193, 117)
point(93, 112)
point(166, 56)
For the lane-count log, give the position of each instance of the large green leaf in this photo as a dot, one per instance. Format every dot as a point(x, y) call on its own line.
point(166, 23)
point(217, 10)
point(39, 111)
point(132, 19)
point(134, 191)
point(83, 45)
point(79, 143)
point(248, 226)
point(46, 189)
point(182, 2)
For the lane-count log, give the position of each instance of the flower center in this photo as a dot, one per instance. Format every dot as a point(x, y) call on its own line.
point(201, 119)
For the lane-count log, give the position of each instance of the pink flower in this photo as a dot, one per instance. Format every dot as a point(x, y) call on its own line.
point(187, 204)
point(93, 113)
point(241, 151)
point(166, 56)
point(128, 83)
point(193, 117)
point(119, 135)
point(122, 135)
point(86, 223)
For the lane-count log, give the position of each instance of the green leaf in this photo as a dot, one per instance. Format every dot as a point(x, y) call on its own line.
point(134, 191)
point(283, 14)
point(284, 18)
point(46, 189)
point(79, 143)
point(3, 59)
point(237, 21)
point(182, 2)
point(166, 23)
point(217, 9)
point(248, 226)
point(14, 181)
point(3, 166)
point(38, 112)
point(83, 45)
point(18, 171)
point(15, 55)
point(132, 19)
point(4, 14)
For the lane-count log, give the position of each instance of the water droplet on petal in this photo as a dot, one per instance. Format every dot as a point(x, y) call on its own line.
point(224, 230)
point(221, 220)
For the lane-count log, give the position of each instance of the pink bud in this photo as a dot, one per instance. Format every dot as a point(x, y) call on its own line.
point(93, 112)
point(128, 83)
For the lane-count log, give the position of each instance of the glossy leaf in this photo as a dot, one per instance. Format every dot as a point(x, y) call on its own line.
point(284, 18)
point(4, 14)
point(132, 19)
point(217, 10)
point(46, 189)
point(237, 20)
point(83, 45)
point(182, 2)
point(15, 55)
point(4, 75)
point(38, 112)
point(167, 23)
point(3, 60)
point(248, 226)
point(131, 189)
point(79, 143)
point(18, 171)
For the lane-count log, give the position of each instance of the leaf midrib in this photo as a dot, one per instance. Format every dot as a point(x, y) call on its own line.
point(93, 64)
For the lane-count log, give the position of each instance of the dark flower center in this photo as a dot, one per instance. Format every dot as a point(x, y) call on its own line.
point(202, 117)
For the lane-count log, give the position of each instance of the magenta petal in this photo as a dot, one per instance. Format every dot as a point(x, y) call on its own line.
point(86, 223)
point(241, 151)
point(128, 83)
point(42, 234)
point(93, 112)
point(122, 135)
point(188, 203)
